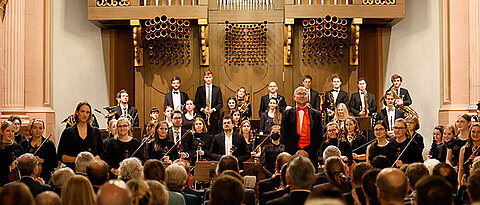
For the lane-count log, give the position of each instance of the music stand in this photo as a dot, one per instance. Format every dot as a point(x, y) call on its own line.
point(364, 123)
point(253, 169)
point(137, 133)
point(205, 170)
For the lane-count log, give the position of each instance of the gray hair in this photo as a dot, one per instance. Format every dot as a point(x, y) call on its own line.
point(82, 160)
point(175, 177)
point(130, 168)
point(331, 151)
point(301, 172)
point(60, 176)
point(26, 164)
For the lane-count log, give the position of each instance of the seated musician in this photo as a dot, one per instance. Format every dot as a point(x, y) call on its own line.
point(438, 149)
point(47, 154)
point(9, 151)
point(123, 109)
point(153, 116)
point(123, 146)
point(271, 117)
point(271, 149)
point(357, 100)
point(355, 137)
point(229, 143)
point(272, 88)
point(390, 113)
point(341, 114)
point(237, 119)
point(334, 139)
point(168, 115)
point(405, 100)
point(159, 145)
point(244, 104)
point(176, 132)
point(246, 131)
point(313, 97)
point(469, 151)
point(412, 126)
point(335, 96)
point(452, 144)
point(398, 146)
point(112, 132)
point(18, 124)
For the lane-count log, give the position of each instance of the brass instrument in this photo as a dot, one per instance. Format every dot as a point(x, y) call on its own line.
point(365, 100)
point(244, 106)
point(209, 107)
point(406, 109)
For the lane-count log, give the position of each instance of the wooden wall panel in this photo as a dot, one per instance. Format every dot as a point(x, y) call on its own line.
point(122, 73)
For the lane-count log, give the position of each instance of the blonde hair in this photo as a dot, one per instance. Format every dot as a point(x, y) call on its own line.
point(345, 110)
point(140, 190)
point(78, 191)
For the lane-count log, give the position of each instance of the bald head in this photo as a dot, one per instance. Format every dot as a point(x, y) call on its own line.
point(114, 192)
point(392, 185)
point(48, 198)
point(97, 172)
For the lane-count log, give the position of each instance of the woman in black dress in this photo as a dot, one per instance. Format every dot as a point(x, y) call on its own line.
point(412, 126)
point(244, 104)
point(246, 132)
point(332, 138)
point(80, 137)
point(46, 155)
point(189, 115)
point(231, 105)
point(379, 146)
point(355, 138)
point(453, 145)
point(469, 152)
point(9, 151)
point(270, 117)
point(438, 150)
point(122, 147)
point(271, 150)
point(159, 145)
point(201, 139)
point(236, 119)
point(398, 144)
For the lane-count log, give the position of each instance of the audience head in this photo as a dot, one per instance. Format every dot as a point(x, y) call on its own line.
point(391, 185)
point(16, 193)
point(331, 151)
point(60, 176)
point(130, 168)
point(324, 202)
point(368, 185)
point(227, 190)
point(159, 193)
point(336, 171)
point(381, 162)
point(48, 198)
point(473, 186)
point(154, 170)
point(283, 175)
point(447, 171)
point(27, 164)
point(97, 172)
point(183, 163)
point(114, 192)
point(227, 162)
point(175, 177)
point(234, 174)
point(78, 191)
point(358, 172)
point(300, 173)
point(81, 162)
point(415, 172)
point(282, 159)
point(140, 191)
point(326, 191)
point(433, 190)
point(430, 164)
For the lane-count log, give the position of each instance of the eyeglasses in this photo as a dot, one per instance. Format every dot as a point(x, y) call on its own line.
point(121, 126)
point(177, 118)
point(379, 129)
point(399, 128)
point(334, 130)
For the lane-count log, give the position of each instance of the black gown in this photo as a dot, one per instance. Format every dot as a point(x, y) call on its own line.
point(344, 147)
point(438, 152)
point(19, 137)
point(157, 148)
point(7, 156)
point(47, 152)
point(358, 141)
point(410, 155)
point(269, 155)
point(266, 123)
point(117, 151)
point(455, 145)
point(71, 143)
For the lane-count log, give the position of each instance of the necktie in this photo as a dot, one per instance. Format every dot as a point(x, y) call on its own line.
point(124, 111)
point(335, 91)
point(175, 135)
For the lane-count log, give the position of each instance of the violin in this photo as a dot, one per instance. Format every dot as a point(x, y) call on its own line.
point(14, 174)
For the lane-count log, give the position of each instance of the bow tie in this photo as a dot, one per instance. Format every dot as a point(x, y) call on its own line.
point(175, 92)
point(305, 109)
point(335, 91)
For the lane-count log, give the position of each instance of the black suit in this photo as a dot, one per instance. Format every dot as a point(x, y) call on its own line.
point(294, 198)
point(169, 99)
point(217, 103)
point(132, 111)
point(407, 100)
point(187, 142)
point(382, 115)
point(356, 104)
point(264, 104)
point(290, 138)
point(217, 149)
point(34, 186)
point(269, 184)
point(341, 98)
point(314, 99)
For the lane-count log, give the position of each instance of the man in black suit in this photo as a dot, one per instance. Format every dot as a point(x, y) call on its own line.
point(313, 97)
point(390, 113)
point(175, 99)
point(401, 92)
point(300, 177)
point(123, 109)
point(229, 143)
point(304, 134)
point(28, 167)
point(357, 100)
point(273, 183)
point(176, 132)
point(272, 87)
point(335, 96)
point(209, 100)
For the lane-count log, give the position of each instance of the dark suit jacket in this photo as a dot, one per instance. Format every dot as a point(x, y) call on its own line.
point(407, 100)
point(201, 101)
point(382, 115)
point(356, 104)
point(270, 184)
point(169, 99)
point(264, 104)
point(314, 99)
point(341, 98)
point(187, 142)
point(290, 138)
point(34, 186)
point(271, 195)
point(294, 198)
point(217, 149)
point(132, 111)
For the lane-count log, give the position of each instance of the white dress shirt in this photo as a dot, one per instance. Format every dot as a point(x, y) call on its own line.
point(362, 97)
point(208, 93)
point(391, 117)
point(335, 94)
point(228, 144)
point(124, 109)
point(300, 115)
point(177, 102)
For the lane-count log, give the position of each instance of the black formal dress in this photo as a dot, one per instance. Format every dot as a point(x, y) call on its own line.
point(455, 145)
point(187, 122)
point(358, 141)
point(169, 100)
point(47, 152)
point(290, 136)
point(216, 103)
point(382, 115)
point(344, 147)
point(412, 153)
point(118, 150)
point(132, 111)
point(240, 148)
point(269, 155)
point(7, 156)
point(356, 104)
point(438, 151)
point(157, 148)
point(376, 150)
point(202, 141)
point(419, 140)
point(266, 123)
point(71, 143)
point(294, 198)
point(264, 104)
point(342, 97)
point(19, 137)
point(314, 99)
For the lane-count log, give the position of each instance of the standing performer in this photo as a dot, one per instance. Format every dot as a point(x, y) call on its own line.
point(362, 103)
point(336, 95)
point(229, 143)
point(410, 154)
point(9, 151)
point(244, 104)
point(159, 145)
point(313, 97)
point(401, 92)
point(390, 113)
point(125, 110)
point(302, 127)
point(272, 87)
point(190, 114)
point(175, 99)
point(469, 152)
point(209, 100)
point(80, 137)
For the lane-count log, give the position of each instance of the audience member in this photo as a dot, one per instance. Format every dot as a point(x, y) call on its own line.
point(227, 162)
point(324, 202)
point(369, 187)
point(16, 193)
point(175, 179)
point(392, 186)
point(29, 170)
point(48, 198)
point(337, 173)
point(227, 190)
point(97, 173)
point(83, 158)
point(434, 190)
point(326, 191)
point(159, 193)
point(448, 172)
point(114, 192)
point(153, 169)
point(78, 191)
point(356, 194)
point(274, 182)
point(414, 173)
point(430, 164)
point(140, 191)
point(473, 187)
point(59, 177)
point(381, 162)
point(130, 168)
